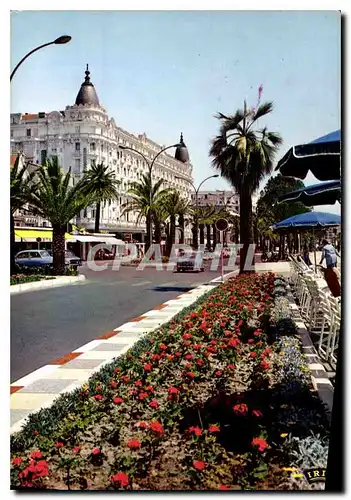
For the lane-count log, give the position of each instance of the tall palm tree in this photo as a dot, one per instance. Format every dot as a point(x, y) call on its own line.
point(21, 186)
point(101, 186)
point(145, 198)
point(56, 199)
point(173, 204)
point(244, 155)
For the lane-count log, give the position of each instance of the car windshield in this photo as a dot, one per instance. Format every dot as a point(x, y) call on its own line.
point(69, 254)
point(44, 253)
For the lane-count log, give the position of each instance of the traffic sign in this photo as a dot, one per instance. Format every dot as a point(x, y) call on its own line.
point(38, 240)
point(222, 224)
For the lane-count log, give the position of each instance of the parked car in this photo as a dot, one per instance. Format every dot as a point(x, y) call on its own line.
point(70, 258)
point(189, 264)
point(34, 258)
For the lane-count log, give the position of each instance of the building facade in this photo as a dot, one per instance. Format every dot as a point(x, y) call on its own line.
point(219, 199)
point(83, 135)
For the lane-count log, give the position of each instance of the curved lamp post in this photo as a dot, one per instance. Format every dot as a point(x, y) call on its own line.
point(196, 225)
point(59, 41)
point(150, 166)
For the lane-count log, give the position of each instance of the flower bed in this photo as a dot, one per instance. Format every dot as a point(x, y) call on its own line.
point(204, 403)
point(18, 279)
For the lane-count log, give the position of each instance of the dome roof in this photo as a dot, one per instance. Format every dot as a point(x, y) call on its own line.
point(181, 153)
point(87, 94)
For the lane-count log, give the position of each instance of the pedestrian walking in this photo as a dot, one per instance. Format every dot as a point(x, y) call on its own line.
point(330, 254)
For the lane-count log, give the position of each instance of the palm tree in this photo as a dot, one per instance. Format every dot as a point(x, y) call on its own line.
point(57, 200)
point(145, 199)
point(101, 186)
point(244, 156)
point(21, 187)
point(173, 205)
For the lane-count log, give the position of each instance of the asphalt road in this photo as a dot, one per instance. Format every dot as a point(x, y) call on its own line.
point(48, 324)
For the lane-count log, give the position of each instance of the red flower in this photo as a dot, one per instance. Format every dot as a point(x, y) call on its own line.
point(142, 425)
point(231, 367)
point(35, 455)
point(187, 343)
point(257, 333)
point(59, 445)
point(233, 342)
point(156, 357)
point(117, 400)
point(187, 336)
point(154, 404)
point(257, 413)
point(173, 390)
point(96, 451)
point(163, 347)
point(149, 388)
point(188, 356)
point(138, 383)
point(134, 444)
point(16, 461)
point(227, 333)
point(177, 354)
point(98, 388)
point(223, 487)
point(260, 443)
point(214, 428)
point(199, 464)
point(98, 397)
point(190, 375)
point(197, 347)
point(35, 432)
point(203, 325)
point(170, 357)
point(116, 370)
point(252, 354)
point(264, 365)
point(76, 449)
point(200, 362)
point(143, 395)
point(240, 409)
point(113, 384)
point(195, 430)
point(120, 478)
point(218, 373)
point(250, 341)
point(157, 427)
point(125, 378)
point(148, 367)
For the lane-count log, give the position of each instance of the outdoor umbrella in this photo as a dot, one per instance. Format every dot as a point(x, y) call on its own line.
point(309, 220)
point(326, 193)
point(321, 157)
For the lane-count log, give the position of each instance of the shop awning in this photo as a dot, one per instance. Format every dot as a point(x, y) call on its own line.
point(31, 235)
point(83, 238)
point(110, 240)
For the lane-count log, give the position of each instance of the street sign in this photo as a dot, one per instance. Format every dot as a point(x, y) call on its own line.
point(38, 240)
point(222, 224)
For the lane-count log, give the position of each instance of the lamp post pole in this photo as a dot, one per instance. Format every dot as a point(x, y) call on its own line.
point(59, 41)
point(150, 166)
point(196, 228)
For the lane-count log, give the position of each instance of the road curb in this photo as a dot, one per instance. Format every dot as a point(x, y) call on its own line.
point(43, 284)
point(42, 387)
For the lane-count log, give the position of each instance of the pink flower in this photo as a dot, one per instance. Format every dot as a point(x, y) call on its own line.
point(195, 430)
point(240, 409)
point(59, 445)
point(117, 400)
point(98, 397)
point(154, 404)
point(257, 413)
point(76, 449)
point(96, 451)
point(148, 367)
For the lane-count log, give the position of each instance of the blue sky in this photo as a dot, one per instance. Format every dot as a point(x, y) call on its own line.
point(169, 72)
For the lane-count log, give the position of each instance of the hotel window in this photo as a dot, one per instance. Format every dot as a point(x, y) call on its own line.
point(11, 133)
point(92, 146)
point(102, 148)
point(78, 129)
point(29, 132)
point(77, 146)
point(93, 163)
point(77, 164)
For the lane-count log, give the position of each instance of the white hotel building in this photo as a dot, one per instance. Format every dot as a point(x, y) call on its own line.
point(82, 135)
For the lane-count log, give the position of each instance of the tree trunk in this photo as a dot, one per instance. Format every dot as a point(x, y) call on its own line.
point(158, 231)
point(13, 269)
point(171, 235)
point(202, 234)
point(148, 230)
point(58, 249)
point(181, 224)
point(214, 229)
point(246, 229)
point(208, 236)
point(195, 230)
point(97, 218)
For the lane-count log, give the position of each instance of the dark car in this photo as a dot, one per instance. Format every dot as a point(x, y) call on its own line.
point(189, 264)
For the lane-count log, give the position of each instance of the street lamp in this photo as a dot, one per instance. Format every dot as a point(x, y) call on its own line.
point(196, 228)
point(150, 166)
point(59, 41)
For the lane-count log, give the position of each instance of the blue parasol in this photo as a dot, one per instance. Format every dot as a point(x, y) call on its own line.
point(309, 220)
point(326, 193)
point(321, 157)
